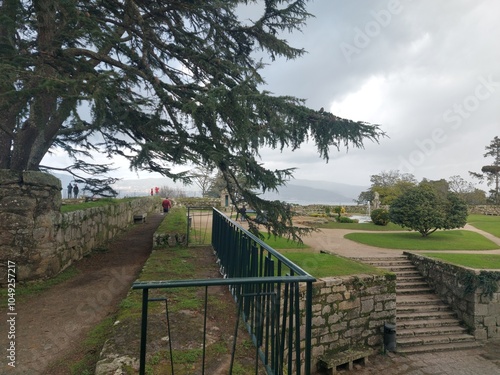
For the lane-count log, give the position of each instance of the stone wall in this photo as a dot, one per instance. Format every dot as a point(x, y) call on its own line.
point(42, 241)
point(349, 313)
point(77, 233)
point(485, 210)
point(477, 309)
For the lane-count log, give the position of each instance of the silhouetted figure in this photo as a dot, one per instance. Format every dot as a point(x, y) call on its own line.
point(70, 190)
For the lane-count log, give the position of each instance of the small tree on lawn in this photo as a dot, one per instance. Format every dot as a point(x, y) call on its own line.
point(425, 210)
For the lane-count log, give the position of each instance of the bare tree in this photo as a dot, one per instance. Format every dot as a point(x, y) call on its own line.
point(204, 177)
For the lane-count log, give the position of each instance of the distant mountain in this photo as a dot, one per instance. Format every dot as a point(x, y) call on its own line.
point(317, 192)
point(302, 192)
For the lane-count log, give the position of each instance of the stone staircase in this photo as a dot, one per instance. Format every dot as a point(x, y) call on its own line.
point(423, 322)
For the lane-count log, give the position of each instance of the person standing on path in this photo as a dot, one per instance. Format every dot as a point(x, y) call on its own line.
point(70, 190)
point(75, 191)
point(166, 204)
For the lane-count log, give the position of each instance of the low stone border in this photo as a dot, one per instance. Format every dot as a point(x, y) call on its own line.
point(169, 239)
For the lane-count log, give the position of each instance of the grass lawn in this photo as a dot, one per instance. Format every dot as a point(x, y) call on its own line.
point(325, 265)
point(441, 240)
point(98, 203)
point(478, 261)
point(360, 226)
point(174, 222)
point(490, 224)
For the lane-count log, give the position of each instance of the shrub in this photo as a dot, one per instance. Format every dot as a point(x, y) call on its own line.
point(426, 209)
point(339, 210)
point(345, 219)
point(380, 216)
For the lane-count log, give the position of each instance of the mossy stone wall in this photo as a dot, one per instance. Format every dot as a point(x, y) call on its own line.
point(39, 238)
point(476, 308)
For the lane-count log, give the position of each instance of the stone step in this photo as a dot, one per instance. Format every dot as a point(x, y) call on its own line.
point(431, 348)
point(410, 279)
point(408, 272)
point(392, 264)
point(382, 258)
point(412, 291)
point(417, 300)
point(417, 308)
point(411, 284)
point(409, 276)
point(433, 339)
point(428, 315)
point(425, 323)
point(400, 268)
point(430, 331)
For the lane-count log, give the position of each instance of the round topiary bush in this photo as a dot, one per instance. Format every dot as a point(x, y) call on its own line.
point(380, 216)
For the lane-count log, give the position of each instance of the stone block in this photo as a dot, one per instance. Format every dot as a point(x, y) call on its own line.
point(348, 305)
point(490, 321)
point(480, 334)
point(481, 309)
point(332, 281)
point(334, 297)
point(334, 318)
point(367, 305)
point(318, 321)
point(359, 322)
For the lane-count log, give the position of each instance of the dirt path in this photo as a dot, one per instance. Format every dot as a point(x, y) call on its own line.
point(50, 325)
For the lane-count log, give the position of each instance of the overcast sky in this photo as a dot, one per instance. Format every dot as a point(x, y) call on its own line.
point(427, 71)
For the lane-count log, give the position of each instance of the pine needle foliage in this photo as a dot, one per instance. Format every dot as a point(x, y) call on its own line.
point(162, 83)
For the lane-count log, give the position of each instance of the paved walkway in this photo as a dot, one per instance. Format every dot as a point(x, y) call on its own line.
point(479, 361)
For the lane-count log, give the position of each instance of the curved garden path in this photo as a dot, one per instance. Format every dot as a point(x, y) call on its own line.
point(332, 240)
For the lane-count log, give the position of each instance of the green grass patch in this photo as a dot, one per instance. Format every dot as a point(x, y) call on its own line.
point(174, 222)
point(490, 224)
point(24, 290)
point(441, 240)
point(92, 347)
point(478, 261)
point(325, 265)
point(164, 264)
point(360, 226)
point(98, 203)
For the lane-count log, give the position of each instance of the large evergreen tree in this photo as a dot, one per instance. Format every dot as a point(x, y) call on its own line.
point(491, 173)
point(165, 82)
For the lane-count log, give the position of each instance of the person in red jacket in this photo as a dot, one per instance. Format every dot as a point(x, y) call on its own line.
point(166, 204)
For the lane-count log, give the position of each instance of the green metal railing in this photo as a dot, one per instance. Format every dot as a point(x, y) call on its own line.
point(273, 296)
